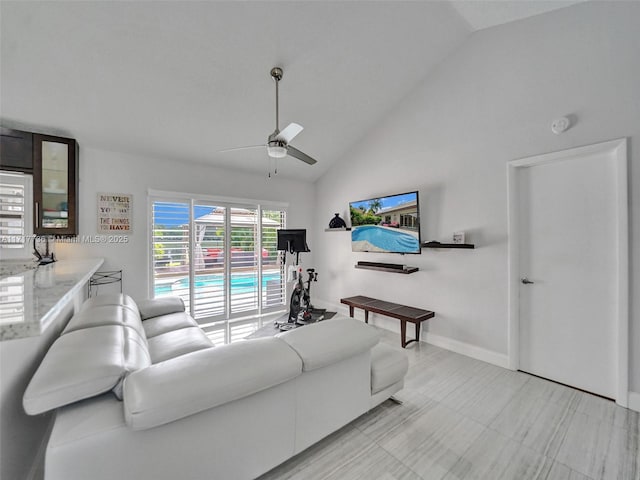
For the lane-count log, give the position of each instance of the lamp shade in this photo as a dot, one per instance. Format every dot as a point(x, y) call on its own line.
point(277, 151)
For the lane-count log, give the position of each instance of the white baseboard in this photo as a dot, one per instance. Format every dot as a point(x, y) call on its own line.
point(463, 348)
point(634, 401)
point(473, 351)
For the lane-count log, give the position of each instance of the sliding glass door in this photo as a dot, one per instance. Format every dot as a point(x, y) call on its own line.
point(221, 259)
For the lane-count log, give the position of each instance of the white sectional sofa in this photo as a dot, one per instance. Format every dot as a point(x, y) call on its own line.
point(141, 392)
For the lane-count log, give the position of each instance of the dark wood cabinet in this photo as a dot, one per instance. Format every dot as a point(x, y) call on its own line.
point(16, 150)
point(55, 185)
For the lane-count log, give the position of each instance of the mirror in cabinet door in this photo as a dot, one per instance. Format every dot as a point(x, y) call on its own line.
point(55, 185)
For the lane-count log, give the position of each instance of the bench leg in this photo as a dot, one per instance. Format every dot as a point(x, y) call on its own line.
point(366, 316)
point(403, 332)
point(350, 311)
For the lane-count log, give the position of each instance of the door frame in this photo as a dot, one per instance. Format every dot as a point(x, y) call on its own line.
point(617, 148)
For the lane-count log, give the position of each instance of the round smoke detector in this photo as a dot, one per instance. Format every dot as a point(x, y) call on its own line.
point(560, 125)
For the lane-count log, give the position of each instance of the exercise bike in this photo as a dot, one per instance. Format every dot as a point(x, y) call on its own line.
point(300, 308)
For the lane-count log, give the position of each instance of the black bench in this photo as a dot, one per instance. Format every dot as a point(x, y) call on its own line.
point(403, 313)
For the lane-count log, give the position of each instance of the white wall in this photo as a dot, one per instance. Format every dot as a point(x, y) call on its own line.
point(104, 171)
point(492, 101)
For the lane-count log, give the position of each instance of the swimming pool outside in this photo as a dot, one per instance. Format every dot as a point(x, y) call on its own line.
point(368, 238)
point(240, 283)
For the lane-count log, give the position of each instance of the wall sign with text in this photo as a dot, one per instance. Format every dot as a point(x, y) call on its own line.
point(115, 213)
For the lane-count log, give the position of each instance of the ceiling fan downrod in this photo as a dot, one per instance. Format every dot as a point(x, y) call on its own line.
point(276, 74)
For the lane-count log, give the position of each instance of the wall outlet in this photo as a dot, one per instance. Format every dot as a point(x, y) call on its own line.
point(292, 273)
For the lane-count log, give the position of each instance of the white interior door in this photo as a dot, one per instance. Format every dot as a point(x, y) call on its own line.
point(568, 244)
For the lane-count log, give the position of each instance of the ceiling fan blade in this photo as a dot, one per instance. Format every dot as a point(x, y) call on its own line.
point(289, 132)
point(295, 153)
point(240, 148)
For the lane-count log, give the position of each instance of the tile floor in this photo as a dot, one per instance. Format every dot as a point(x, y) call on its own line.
point(466, 419)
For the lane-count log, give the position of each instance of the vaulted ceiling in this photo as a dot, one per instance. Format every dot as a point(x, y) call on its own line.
point(184, 80)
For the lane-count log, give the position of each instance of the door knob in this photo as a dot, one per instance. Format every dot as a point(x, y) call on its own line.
point(526, 281)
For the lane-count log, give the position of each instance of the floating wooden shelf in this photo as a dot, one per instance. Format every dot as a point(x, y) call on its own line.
point(447, 245)
point(341, 229)
point(404, 270)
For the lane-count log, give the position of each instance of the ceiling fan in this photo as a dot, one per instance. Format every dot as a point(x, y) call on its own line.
point(278, 142)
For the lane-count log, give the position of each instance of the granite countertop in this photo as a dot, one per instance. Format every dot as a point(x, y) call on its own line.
point(31, 299)
point(13, 267)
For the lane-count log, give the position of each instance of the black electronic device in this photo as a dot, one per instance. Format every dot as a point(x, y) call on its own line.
point(397, 266)
point(293, 240)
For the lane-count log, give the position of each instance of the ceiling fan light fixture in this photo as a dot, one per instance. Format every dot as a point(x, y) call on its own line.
point(277, 151)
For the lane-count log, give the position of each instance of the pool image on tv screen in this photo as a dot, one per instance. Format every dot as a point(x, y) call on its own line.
point(388, 224)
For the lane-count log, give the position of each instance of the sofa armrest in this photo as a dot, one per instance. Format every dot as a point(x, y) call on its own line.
point(330, 341)
point(154, 307)
point(201, 380)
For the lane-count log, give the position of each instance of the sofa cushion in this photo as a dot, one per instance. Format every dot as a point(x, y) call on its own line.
point(177, 342)
point(167, 323)
point(160, 306)
point(192, 383)
point(330, 341)
point(84, 363)
point(101, 315)
point(388, 366)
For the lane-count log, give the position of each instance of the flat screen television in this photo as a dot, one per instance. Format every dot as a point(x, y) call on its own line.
point(293, 240)
point(388, 224)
